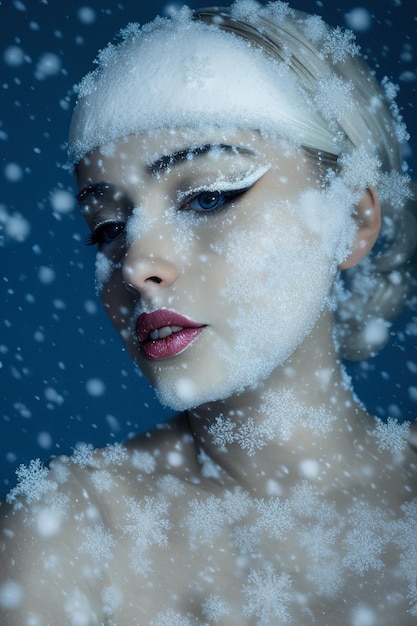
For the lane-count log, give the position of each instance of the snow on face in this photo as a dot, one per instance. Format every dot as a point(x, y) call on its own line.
point(257, 273)
point(182, 73)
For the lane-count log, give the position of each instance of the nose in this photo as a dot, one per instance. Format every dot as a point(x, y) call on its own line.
point(147, 274)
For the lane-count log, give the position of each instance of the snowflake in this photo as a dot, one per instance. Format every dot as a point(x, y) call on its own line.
point(246, 538)
point(283, 413)
point(143, 461)
point(209, 468)
point(391, 91)
point(315, 28)
point(394, 188)
point(319, 420)
point(340, 44)
point(325, 570)
point(267, 596)
point(116, 454)
point(32, 482)
point(280, 11)
point(404, 534)
point(360, 168)
point(222, 432)
point(252, 437)
point(112, 598)
point(102, 480)
point(275, 517)
point(334, 97)
point(171, 486)
point(391, 435)
point(98, 543)
point(172, 618)
point(365, 541)
point(307, 503)
point(214, 608)
point(207, 518)
point(147, 523)
point(84, 455)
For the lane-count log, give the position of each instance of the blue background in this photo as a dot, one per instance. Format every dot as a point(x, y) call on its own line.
point(55, 341)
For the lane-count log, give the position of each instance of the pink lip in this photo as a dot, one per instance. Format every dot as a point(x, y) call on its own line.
point(168, 346)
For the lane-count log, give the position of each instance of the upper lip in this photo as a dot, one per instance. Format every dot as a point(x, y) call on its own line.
point(147, 322)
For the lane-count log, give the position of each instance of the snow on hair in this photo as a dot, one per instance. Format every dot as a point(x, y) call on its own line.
point(331, 106)
point(365, 122)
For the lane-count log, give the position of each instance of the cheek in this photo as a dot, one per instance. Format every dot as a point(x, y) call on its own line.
point(272, 258)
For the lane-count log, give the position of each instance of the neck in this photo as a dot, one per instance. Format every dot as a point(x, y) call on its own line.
point(301, 422)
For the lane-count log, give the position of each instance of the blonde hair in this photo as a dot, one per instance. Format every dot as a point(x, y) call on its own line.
point(371, 294)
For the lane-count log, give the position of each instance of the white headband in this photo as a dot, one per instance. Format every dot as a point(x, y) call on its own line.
point(183, 73)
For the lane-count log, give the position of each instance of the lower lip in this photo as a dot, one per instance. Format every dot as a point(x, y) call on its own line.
point(170, 346)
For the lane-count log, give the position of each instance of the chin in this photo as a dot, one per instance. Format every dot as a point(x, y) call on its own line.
point(183, 393)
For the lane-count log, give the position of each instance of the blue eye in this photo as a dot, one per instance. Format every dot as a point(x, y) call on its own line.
point(105, 233)
point(207, 201)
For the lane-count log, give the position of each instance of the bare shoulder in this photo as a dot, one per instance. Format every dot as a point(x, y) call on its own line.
point(40, 529)
point(60, 523)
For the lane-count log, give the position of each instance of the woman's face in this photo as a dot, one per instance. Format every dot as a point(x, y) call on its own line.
point(216, 254)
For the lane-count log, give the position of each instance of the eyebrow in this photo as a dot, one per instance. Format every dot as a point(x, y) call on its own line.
point(164, 162)
point(178, 157)
point(96, 190)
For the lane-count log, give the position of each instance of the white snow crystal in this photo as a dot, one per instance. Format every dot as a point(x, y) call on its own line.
point(33, 482)
point(104, 268)
point(62, 201)
point(147, 522)
point(11, 594)
point(334, 97)
point(391, 435)
point(112, 598)
point(49, 64)
point(95, 387)
point(214, 608)
point(98, 543)
point(172, 618)
point(15, 226)
point(13, 172)
point(86, 15)
point(340, 44)
point(359, 19)
point(267, 596)
point(115, 454)
point(143, 461)
point(84, 455)
point(13, 56)
point(46, 275)
point(364, 542)
point(364, 615)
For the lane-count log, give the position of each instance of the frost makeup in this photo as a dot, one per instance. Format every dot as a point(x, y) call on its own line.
point(173, 210)
point(232, 233)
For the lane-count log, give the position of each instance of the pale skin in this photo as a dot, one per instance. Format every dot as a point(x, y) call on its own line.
point(173, 258)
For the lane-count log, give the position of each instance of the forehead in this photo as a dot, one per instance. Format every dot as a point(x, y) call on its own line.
point(181, 76)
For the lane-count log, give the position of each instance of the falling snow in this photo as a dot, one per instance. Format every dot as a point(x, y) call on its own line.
point(160, 528)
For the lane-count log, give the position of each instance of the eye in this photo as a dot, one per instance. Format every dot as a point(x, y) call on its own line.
point(105, 233)
point(211, 201)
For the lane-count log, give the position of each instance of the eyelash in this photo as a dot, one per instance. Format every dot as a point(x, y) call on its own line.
point(99, 234)
point(102, 234)
point(221, 200)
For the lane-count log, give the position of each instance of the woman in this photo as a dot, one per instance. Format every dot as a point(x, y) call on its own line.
point(230, 163)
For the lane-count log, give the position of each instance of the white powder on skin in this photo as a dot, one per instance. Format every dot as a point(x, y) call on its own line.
point(287, 278)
